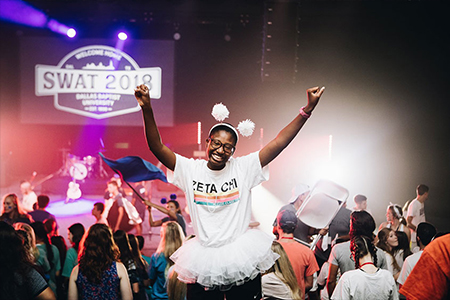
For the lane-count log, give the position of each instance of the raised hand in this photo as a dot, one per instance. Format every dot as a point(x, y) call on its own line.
point(142, 95)
point(314, 95)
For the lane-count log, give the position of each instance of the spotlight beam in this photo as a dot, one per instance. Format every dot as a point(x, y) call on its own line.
point(20, 12)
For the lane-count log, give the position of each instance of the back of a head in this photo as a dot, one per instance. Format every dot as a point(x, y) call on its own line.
point(60, 243)
point(122, 241)
point(39, 231)
point(287, 220)
point(283, 262)
point(13, 258)
point(171, 239)
point(98, 238)
point(11, 246)
point(97, 252)
point(362, 245)
point(141, 241)
point(284, 270)
point(422, 189)
point(49, 225)
point(426, 232)
point(359, 198)
point(43, 201)
point(29, 238)
point(361, 223)
point(134, 246)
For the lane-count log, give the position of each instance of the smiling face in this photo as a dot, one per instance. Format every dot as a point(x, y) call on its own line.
point(218, 156)
point(392, 239)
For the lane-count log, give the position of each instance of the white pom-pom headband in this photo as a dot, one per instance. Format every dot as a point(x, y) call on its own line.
point(396, 210)
point(220, 113)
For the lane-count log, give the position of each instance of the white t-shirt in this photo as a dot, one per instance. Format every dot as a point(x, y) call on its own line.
point(219, 201)
point(272, 286)
point(224, 252)
point(390, 263)
point(341, 256)
point(408, 265)
point(28, 201)
point(357, 284)
point(416, 210)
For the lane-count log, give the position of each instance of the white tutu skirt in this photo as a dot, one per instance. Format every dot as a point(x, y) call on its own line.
point(232, 264)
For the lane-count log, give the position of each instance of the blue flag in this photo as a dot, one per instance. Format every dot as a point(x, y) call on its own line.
point(134, 169)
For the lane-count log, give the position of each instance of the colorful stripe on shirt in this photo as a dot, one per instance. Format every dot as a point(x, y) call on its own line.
point(216, 199)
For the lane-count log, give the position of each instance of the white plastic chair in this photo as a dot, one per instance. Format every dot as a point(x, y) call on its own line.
point(322, 205)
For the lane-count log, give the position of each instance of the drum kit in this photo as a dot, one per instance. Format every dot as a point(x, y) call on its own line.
point(80, 169)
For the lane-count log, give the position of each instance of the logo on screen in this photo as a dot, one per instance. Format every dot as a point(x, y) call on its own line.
point(96, 81)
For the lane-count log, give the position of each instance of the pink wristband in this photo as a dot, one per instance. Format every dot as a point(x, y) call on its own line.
point(304, 114)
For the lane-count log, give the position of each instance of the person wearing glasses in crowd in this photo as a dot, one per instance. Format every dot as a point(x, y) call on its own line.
point(225, 257)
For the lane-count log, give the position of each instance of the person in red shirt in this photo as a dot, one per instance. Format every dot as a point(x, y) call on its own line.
point(301, 257)
point(430, 278)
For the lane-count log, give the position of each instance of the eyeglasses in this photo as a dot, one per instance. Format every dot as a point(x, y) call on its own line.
point(216, 144)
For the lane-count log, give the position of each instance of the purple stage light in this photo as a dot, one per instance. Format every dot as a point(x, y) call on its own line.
point(71, 33)
point(57, 27)
point(122, 36)
point(20, 12)
point(17, 11)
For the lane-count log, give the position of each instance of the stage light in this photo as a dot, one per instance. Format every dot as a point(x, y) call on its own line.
point(176, 36)
point(20, 12)
point(122, 36)
point(71, 33)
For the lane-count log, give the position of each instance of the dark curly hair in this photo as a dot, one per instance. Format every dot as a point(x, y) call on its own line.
point(97, 252)
point(362, 245)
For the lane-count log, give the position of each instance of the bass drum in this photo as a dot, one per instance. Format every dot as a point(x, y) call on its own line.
point(78, 171)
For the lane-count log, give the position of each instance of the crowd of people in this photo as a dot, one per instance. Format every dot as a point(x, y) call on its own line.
point(100, 263)
point(104, 263)
point(226, 258)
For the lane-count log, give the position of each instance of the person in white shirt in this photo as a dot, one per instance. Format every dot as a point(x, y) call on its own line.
point(29, 197)
point(367, 282)
point(225, 257)
point(425, 234)
point(416, 213)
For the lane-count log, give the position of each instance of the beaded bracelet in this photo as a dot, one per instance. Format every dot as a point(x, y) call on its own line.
point(303, 113)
